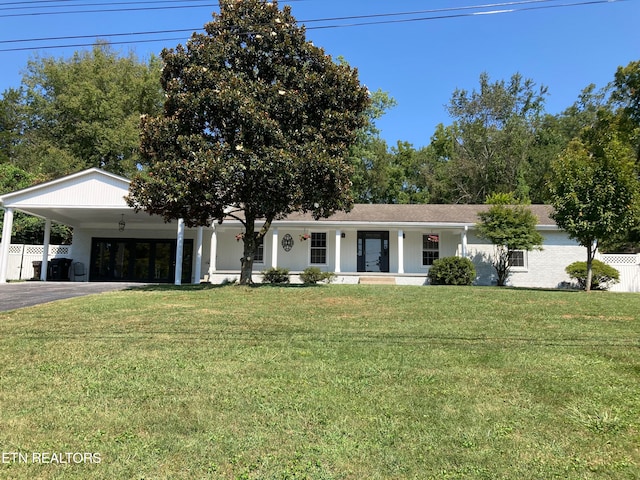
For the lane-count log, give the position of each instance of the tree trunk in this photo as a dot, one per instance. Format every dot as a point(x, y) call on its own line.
point(590, 254)
point(249, 240)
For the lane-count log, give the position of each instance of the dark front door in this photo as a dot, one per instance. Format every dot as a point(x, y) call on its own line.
point(373, 251)
point(136, 260)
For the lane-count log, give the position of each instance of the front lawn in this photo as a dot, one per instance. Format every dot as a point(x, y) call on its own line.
point(332, 382)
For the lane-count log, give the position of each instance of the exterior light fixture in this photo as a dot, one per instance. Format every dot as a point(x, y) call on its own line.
point(121, 223)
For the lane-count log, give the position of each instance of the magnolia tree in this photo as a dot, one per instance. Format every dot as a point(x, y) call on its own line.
point(257, 124)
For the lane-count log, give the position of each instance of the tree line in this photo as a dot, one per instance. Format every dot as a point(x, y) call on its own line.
point(85, 111)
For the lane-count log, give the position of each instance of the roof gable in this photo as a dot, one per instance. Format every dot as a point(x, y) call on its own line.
point(89, 188)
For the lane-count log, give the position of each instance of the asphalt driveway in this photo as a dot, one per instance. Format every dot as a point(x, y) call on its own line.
point(25, 294)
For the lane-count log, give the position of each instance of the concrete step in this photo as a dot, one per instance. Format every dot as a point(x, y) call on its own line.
point(377, 281)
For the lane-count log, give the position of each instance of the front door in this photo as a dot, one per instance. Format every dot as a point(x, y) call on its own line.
point(373, 251)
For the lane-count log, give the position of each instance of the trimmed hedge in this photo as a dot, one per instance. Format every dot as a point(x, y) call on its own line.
point(603, 275)
point(275, 275)
point(452, 271)
point(313, 275)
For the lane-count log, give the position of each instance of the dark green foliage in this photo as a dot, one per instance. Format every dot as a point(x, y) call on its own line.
point(275, 275)
point(84, 111)
point(257, 124)
point(313, 275)
point(509, 227)
point(452, 271)
point(603, 275)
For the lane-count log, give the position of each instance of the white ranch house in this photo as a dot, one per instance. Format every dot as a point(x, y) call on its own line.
point(397, 243)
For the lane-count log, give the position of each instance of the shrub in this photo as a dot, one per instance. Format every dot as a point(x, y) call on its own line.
point(452, 271)
point(275, 275)
point(603, 275)
point(313, 275)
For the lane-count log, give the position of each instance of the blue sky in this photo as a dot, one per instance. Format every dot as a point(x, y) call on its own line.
point(419, 63)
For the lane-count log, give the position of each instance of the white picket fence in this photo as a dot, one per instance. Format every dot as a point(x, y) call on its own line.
point(21, 258)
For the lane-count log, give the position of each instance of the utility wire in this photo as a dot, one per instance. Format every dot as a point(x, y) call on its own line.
point(521, 6)
point(330, 19)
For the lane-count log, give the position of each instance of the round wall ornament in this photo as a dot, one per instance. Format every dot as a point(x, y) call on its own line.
point(287, 242)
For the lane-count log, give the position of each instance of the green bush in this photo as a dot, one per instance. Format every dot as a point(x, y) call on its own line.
point(313, 275)
point(603, 275)
point(452, 271)
point(275, 275)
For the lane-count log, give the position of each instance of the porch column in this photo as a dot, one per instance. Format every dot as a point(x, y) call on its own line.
point(213, 252)
point(338, 242)
point(179, 252)
point(464, 242)
point(45, 250)
point(400, 251)
point(7, 227)
point(198, 269)
point(274, 248)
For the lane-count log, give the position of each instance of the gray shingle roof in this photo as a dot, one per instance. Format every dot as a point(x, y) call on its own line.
point(423, 213)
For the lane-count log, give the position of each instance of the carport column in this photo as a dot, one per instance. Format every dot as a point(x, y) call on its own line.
point(400, 251)
point(338, 245)
point(464, 242)
point(213, 251)
point(198, 269)
point(6, 242)
point(179, 252)
point(45, 250)
point(274, 248)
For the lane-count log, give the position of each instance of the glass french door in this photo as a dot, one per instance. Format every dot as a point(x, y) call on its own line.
point(137, 260)
point(373, 251)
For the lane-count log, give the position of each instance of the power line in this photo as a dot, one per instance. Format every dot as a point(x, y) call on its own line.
point(520, 6)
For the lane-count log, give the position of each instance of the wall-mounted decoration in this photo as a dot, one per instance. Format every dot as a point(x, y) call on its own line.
point(287, 242)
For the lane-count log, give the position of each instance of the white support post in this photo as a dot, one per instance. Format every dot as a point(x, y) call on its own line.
point(274, 248)
point(45, 250)
point(464, 242)
point(198, 266)
point(338, 253)
point(179, 252)
point(213, 252)
point(400, 251)
point(7, 227)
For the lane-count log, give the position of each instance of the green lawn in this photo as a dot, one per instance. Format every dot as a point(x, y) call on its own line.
point(332, 382)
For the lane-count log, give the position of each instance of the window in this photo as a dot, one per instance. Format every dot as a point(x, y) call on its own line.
point(516, 258)
point(430, 249)
point(259, 256)
point(319, 248)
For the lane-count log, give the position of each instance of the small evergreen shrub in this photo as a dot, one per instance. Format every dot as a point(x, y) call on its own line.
point(603, 275)
point(452, 271)
point(275, 275)
point(313, 275)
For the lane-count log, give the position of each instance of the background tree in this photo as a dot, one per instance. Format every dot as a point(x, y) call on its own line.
point(257, 124)
point(494, 128)
point(84, 112)
point(595, 189)
point(509, 226)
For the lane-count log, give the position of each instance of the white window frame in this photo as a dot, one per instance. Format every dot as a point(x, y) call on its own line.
point(525, 261)
point(260, 249)
point(422, 249)
point(326, 247)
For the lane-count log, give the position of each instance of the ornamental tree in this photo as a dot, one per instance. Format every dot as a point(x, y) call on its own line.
point(509, 226)
point(257, 124)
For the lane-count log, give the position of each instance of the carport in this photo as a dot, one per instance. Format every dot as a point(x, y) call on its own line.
point(92, 202)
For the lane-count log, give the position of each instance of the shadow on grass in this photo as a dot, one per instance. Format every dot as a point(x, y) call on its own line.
point(167, 287)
